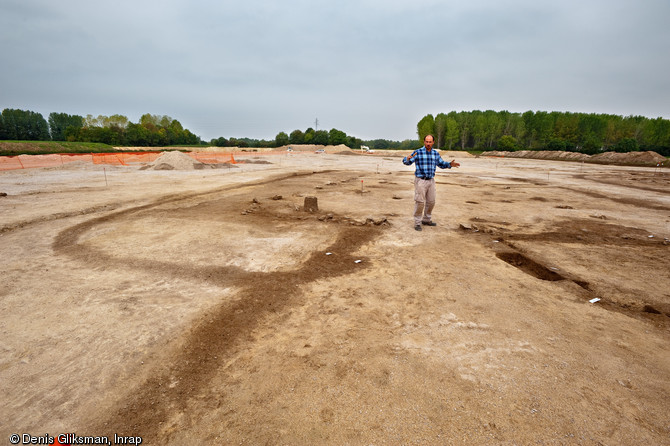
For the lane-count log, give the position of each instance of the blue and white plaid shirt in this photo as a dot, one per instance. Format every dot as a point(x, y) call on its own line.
point(426, 161)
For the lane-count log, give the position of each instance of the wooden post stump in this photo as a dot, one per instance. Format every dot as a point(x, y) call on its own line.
point(311, 204)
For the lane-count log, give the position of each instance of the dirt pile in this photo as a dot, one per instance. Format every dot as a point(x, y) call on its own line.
point(546, 155)
point(175, 161)
point(640, 158)
point(631, 158)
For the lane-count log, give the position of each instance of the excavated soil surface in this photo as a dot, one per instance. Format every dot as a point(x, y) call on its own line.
point(209, 307)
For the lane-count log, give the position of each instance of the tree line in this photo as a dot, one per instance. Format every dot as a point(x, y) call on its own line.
point(156, 131)
point(478, 130)
point(333, 137)
point(151, 130)
point(336, 137)
point(540, 130)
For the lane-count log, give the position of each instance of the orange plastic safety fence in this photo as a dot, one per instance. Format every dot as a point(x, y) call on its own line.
point(33, 161)
point(10, 163)
point(29, 162)
point(124, 158)
point(108, 158)
point(72, 157)
point(119, 159)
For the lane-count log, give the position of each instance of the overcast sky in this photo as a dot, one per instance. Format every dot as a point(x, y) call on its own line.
point(371, 68)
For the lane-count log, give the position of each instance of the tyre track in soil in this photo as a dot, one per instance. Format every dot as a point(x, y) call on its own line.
point(205, 348)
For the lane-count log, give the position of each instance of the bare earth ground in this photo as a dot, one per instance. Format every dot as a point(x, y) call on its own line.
point(173, 306)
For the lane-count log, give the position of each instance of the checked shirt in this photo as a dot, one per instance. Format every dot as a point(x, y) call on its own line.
point(426, 162)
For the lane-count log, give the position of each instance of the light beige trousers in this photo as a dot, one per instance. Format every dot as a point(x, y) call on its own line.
point(424, 199)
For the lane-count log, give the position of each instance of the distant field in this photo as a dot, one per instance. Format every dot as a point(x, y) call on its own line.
point(42, 147)
point(9, 148)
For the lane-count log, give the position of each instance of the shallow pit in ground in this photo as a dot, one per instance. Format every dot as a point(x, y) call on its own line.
point(529, 266)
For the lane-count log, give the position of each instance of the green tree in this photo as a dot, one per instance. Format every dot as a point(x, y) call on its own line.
point(409, 144)
point(165, 121)
point(635, 126)
point(627, 145)
point(309, 136)
point(137, 135)
point(478, 128)
point(114, 121)
point(591, 145)
point(440, 126)
point(281, 139)
point(8, 128)
point(493, 128)
point(508, 143)
point(426, 126)
point(557, 144)
point(60, 122)
point(379, 144)
point(614, 131)
point(219, 142)
point(90, 121)
point(148, 120)
point(464, 120)
point(320, 137)
point(337, 137)
point(353, 142)
point(513, 125)
point(191, 138)
point(24, 125)
point(566, 129)
point(451, 134)
point(539, 129)
point(544, 127)
point(296, 137)
point(657, 136)
point(592, 129)
point(589, 133)
point(175, 134)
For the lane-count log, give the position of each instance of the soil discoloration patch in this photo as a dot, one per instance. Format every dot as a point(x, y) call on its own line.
point(216, 338)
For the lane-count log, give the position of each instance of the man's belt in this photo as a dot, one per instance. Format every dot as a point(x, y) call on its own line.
point(425, 178)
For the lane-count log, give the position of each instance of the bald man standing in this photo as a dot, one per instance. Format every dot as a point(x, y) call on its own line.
point(425, 159)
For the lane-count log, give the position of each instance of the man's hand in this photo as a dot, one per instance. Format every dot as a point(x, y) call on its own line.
point(454, 163)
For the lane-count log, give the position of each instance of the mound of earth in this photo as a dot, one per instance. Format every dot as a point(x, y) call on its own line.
point(176, 161)
point(256, 160)
point(446, 154)
point(631, 158)
point(553, 155)
point(642, 158)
